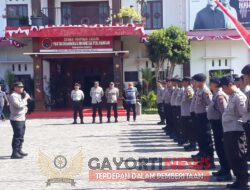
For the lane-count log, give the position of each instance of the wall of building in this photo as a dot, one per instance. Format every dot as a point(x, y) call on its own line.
point(206, 56)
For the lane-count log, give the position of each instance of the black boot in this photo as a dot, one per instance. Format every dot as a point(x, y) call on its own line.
point(100, 119)
point(16, 154)
point(108, 120)
point(74, 122)
point(93, 120)
point(22, 153)
point(116, 120)
point(82, 121)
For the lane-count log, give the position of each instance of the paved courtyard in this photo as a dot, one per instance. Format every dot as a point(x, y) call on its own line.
point(58, 137)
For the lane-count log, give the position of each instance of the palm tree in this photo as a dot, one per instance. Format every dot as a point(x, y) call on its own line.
point(147, 76)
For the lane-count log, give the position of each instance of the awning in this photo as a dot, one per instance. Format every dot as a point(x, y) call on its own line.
point(76, 31)
point(77, 53)
point(224, 34)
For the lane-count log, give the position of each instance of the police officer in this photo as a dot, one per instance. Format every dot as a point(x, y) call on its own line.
point(96, 94)
point(112, 95)
point(18, 109)
point(237, 80)
point(77, 97)
point(173, 135)
point(167, 106)
point(234, 135)
point(246, 117)
point(202, 100)
point(186, 120)
point(159, 101)
point(214, 115)
point(178, 100)
point(3, 99)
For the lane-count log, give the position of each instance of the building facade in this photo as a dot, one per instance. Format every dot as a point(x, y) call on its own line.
point(79, 41)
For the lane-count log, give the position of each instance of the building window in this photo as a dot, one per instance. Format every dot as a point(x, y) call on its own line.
point(212, 63)
point(25, 67)
point(153, 14)
point(13, 67)
point(219, 62)
point(131, 76)
point(16, 13)
point(19, 67)
point(226, 62)
point(146, 64)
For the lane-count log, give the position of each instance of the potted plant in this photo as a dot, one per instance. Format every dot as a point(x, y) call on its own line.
point(24, 21)
point(13, 21)
point(36, 19)
point(128, 15)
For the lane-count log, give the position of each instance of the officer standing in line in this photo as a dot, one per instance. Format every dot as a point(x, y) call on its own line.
point(202, 100)
point(214, 115)
point(112, 95)
point(246, 117)
point(18, 108)
point(186, 120)
point(3, 99)
point(77, 97)
point(178, 100)
point(234, 135)
point(160, 104)
point(194, 120)
point(174, 108)
point(96, 94)
point(237, 80)
point(167, 106)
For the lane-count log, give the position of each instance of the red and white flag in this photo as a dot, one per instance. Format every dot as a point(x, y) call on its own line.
point(238, 26)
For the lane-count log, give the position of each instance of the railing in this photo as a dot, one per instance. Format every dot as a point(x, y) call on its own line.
point(76, 15)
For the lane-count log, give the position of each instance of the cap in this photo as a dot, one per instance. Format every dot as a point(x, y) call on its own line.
point(246, 70)
point(215, 80)
point(226, 80)
point(178, 79)
point(236, 77)
point(77, 84)
point(18, 84)
point(187, 79)
point(200, 77)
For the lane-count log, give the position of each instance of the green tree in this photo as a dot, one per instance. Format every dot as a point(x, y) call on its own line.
point(180, 48)
point(147, 76)
point(159, 49)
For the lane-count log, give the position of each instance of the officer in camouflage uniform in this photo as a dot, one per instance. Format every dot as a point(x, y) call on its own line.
point(186, 118)
point(214, 115)
point(160, 104)
point(202, 100)
point(246, 117)
point(234, 135)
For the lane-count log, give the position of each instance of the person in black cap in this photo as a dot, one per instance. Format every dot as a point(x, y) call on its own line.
point(186, 120)
point(205, 142)
point(18, 109)
point(236, 80)
point(214, 115)
point(77, 97)
point(246, 117)
point(167, 106)
point(234, 135)
point(160, 104)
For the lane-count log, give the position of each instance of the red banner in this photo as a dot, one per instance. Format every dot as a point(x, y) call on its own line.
point(76, 44)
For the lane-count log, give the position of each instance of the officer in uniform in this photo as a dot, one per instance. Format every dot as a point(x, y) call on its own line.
point(194, 120)
point(112, 95)
point(173, 135)
point(96, 94)
point(246, 117)
point(77, 97)
point(18, 101)
point(234, 135)
point(202, 100)
point(167, 106)
point(160, 104)
point(214, 115)
point(236, 80)
point(186, 119)
point(178, 100)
